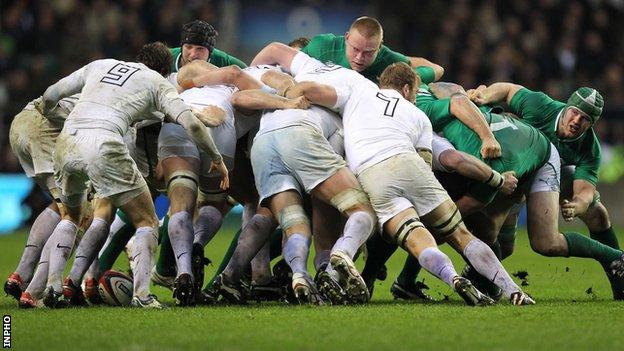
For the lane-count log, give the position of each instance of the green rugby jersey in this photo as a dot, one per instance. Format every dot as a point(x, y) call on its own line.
point(523, 148)
point(543, 113)
point(217, 58)
point(332, 48)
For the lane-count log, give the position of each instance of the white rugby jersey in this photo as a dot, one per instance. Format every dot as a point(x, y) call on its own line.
point(115, 95)
point(380, 123)
point(224, 135)
point(305, 68)
point(320, 118)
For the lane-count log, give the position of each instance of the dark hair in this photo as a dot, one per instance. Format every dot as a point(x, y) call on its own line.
point(300, 42)
point(199, 33)
point(156, 56)
point(397, 75)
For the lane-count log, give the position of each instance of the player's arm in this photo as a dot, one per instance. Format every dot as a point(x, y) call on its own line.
point(210, 116)
point(275, 53)
point(497, 92)
point(423, 62)
point(72, 84)
point(230, 75)
point(473, 168)
point(318, 94)
point(581, 199)
point(468, 113)
point(248, 101)
point(279, 81)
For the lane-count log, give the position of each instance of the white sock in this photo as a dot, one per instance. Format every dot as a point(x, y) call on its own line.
point(91, 243)
point(438, 264)
point(296, 252)
point(261, 265)
point(251, 240)
point(145, 244)
point(62, 242)
point(485, 262)
point(37, 284)
point(40, 231)
point(357, 230)
point(181, 237)
point(208, 222)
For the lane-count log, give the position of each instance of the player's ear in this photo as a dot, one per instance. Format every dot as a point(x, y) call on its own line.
point(406, 91)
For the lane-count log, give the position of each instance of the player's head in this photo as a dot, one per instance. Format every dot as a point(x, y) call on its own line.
point(156, 56)
point(583, 110)
point(299, 43)
point(400, 77)
point(363, 41)
point(198, 39)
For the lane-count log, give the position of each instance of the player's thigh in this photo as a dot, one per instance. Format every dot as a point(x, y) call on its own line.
point(408, 232)
point(140, 210)
point(543, 217)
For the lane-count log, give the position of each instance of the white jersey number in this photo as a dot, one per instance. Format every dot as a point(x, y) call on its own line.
point(391, 103)
point(119, 74)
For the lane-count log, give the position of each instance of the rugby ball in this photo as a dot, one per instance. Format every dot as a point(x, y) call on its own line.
point(115, 288)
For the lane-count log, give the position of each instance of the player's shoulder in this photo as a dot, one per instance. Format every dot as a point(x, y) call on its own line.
point(324, 41)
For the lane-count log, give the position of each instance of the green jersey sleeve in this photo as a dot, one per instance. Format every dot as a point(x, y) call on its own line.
point(222, 59)
point(589, 163)
point(536, 108)
point(426, 74)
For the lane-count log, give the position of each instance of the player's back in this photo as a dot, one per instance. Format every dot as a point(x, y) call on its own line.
point(381, 123)
point(524, 148)
point(117, 94)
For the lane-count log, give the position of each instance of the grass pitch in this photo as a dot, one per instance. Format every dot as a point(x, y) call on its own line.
point(574, 311)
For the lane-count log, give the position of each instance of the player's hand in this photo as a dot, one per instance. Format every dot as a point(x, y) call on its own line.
point(477, 96)
point(490, 148)
point(221, 168)
point(298, 103)
point(571, 209)
point(510, 182)
point(39, 106)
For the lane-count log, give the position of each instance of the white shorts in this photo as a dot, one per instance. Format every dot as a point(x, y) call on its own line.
point(292, 158)
point(400, 182)
point(98, 156)
point(33, 139)
point(547, 178)
point(438, 146)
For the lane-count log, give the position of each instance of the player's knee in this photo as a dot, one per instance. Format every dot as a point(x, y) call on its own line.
point(405, 230)
point(293, 217)
point(597, 217)
point(352, 199)
point(546, 247)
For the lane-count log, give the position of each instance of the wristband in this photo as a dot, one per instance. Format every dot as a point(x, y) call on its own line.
point(495, 180)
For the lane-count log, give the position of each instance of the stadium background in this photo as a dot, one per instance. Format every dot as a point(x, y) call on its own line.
point(548, 45)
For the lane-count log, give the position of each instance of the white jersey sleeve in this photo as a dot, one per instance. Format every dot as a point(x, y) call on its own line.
point(72, 84)
point(303, 63)
point(169, 101)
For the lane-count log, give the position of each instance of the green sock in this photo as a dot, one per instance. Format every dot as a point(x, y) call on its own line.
point(379, 251)
point(225, 260)
point(166, 264)
point(410, 271)
point(606, 237)
point(117, 244)
point(506, 240)
point(581, 246)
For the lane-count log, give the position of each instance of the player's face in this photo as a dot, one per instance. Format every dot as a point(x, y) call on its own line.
point(361, 51)
point(573, 124)
point(192, 52)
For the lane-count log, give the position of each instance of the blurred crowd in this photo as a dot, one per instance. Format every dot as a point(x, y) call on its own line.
point(549, 45)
